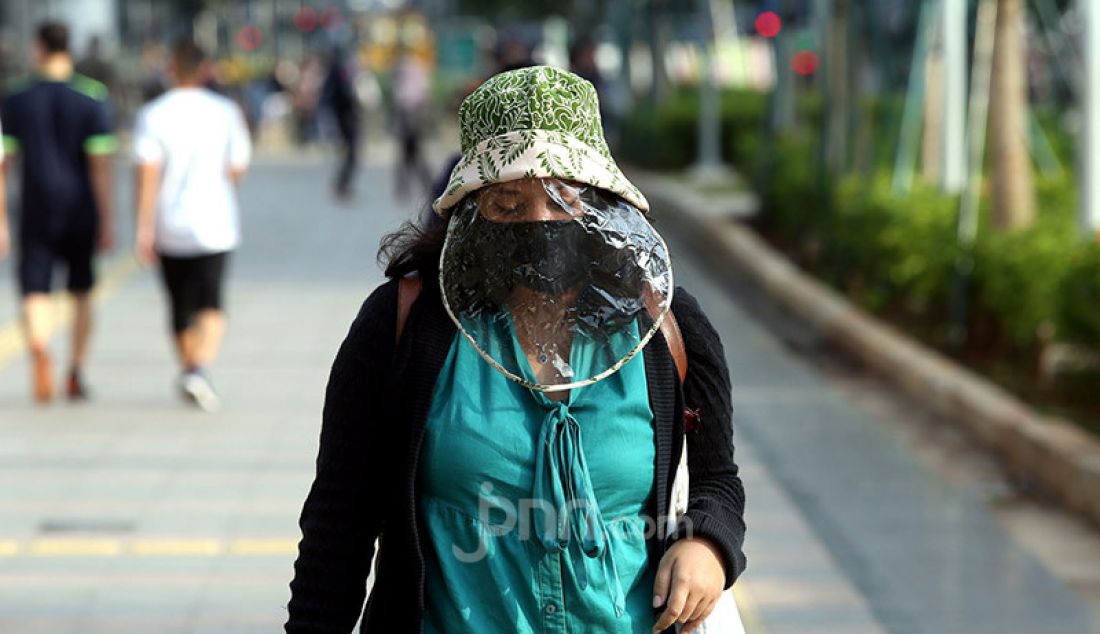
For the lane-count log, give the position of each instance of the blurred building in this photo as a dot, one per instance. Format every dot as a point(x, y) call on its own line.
point(86, 18)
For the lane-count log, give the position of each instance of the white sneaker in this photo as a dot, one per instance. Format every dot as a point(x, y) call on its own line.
point(197, 389)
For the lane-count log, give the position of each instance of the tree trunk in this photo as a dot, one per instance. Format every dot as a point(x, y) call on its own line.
point(1088, 182)
point(836, 78)
point(953, 131)
point(658, 89)
point(932, 145)
point(1013, 193)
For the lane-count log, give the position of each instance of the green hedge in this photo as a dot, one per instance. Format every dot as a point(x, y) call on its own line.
point(668, 137)
point(1079, 298)
point(1019, 275)
point(787, 180)
point(894, 254)
point(900, 251)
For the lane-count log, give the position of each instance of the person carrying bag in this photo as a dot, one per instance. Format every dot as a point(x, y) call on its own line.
point(504, 421)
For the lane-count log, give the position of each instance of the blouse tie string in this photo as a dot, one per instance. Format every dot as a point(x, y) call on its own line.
point(562, 483)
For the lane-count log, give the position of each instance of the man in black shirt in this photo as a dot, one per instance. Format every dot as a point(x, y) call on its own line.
point(57, 125)
point(338, 93)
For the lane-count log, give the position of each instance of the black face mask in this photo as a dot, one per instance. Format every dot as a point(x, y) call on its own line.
point(547, 257)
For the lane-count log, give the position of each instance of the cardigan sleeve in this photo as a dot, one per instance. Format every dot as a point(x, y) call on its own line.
point(716, 496)
point(341, 517)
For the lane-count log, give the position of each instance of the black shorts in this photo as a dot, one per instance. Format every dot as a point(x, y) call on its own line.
point(39, 256)
point(194, 284)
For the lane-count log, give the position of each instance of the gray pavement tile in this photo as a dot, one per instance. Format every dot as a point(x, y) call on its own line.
point(137, 455)
point(848, 532)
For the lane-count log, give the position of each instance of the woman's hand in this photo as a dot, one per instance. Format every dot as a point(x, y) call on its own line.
point(690, 579)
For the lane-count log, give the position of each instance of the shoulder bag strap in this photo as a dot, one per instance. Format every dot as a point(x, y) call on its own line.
point(671, 331)
point(408, 288)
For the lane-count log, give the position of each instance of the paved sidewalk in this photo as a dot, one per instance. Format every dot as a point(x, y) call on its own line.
point(135, 515)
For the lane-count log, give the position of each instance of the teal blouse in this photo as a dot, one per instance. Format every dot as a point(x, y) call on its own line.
point(498, 462)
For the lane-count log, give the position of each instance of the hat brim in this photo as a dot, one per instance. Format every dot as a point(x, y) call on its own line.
point(535, 154)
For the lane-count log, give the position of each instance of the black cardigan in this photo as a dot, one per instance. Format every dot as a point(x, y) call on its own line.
point(376, 407)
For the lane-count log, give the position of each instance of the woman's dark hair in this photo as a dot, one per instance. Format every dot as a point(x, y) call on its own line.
point(414, 246)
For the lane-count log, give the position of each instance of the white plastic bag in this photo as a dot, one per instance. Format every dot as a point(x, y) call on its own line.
point(725, 618)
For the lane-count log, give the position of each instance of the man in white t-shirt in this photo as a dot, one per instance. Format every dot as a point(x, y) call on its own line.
point(192, 148)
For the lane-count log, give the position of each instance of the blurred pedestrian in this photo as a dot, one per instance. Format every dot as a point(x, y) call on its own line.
point(95, 64)
point(411, 89)
point(58, 126)
point(453, 418)
point(513, 53)
point(582, 61)
point(153, 81)
point(307, 95)
point(339, 96)
point(192, 148)
point(5, 231)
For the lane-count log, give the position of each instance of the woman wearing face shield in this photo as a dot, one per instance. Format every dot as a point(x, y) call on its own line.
point(509, 429)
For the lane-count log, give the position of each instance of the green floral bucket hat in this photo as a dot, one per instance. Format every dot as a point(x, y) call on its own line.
point(535, 122)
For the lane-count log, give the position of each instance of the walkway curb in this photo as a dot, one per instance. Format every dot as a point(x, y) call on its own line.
point(1049, 454)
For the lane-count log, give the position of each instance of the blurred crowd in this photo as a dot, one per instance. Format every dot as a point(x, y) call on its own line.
point(181, 113)
point(329, 95)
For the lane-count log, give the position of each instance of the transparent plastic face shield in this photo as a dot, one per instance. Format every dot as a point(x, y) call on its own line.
point(557, 285)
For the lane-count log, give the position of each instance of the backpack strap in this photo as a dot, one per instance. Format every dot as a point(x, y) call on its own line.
point(670, 330)
point(409, 286)
point(675, 340)
point(408, 289)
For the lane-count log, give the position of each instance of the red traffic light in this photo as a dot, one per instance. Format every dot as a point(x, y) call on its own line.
point(804, 63)
point(768, 24)
point(249, 38)
point(305, 19)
